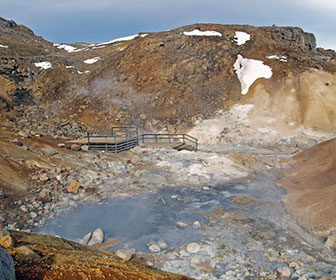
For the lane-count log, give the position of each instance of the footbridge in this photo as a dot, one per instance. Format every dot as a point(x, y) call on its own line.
point(123, 138)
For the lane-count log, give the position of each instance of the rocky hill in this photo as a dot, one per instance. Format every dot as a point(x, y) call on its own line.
point(171, 80)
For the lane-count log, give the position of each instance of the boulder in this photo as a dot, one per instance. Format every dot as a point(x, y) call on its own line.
point(73, 187)
point(125, 254)
point(7, 271)
point(96, 237)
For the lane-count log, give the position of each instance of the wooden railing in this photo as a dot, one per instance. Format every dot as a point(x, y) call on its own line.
point(169, 138)
point(123, 138)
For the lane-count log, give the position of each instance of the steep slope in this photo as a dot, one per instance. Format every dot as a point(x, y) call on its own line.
point(311, 186)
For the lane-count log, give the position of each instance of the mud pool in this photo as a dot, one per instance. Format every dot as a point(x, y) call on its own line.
point(241, 223)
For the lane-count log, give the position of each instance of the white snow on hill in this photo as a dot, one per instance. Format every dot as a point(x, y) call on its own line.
point(249, 70)
point(66, 47)
point(241, 37)
point(281, 58)
point(92, 60)
point(3, 46)
point(43, 64)
point(197, 32)
point(127, 38)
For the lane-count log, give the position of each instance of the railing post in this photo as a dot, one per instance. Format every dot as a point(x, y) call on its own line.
point(183, 138)
point(156, 138)
point(88, 137)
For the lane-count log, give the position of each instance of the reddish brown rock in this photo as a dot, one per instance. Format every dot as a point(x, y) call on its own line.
point(73, 187)
point(60, 259)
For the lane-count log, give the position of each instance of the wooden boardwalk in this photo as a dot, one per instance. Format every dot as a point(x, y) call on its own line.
point(124, 138)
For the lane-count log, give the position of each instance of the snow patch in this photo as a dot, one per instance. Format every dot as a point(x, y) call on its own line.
point(281, 58)
point(3, 46)
point(67, 48)
point(43, 64)
point(127, 38)
point(92, 60)
point(197, 32)
point(241, 37)
point(249, 70)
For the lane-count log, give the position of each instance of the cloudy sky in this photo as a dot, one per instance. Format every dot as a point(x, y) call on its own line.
point(69, 21)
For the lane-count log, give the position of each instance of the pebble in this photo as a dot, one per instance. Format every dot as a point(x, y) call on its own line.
point(181, 225)
point(193, 247)
point(162, 244)
point(33, 215)
point(154, 248)
point(196, 225)
point(73, 187)
point(284, 272)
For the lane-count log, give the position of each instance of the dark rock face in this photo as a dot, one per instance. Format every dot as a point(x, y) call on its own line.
point(292, 36)
point(7, 23)
point(7, 271)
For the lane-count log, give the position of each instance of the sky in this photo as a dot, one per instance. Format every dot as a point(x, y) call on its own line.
point(91, 21)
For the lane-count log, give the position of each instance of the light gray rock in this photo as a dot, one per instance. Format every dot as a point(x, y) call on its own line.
point(96, 237)
point(85, 148)
point(162, 244)
point(205, 263)
point(154, 248)
point(193, 247)
point(181, 225)
point(125, 254)
point(284, 271)
point(7, 271)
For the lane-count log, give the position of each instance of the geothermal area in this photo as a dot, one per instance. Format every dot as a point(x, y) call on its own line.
point(215, 158)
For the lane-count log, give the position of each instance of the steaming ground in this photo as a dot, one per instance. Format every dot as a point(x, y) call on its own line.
point(217, 210)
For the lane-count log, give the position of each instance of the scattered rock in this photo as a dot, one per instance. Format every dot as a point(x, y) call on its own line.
point(75, 147)
point(60, 145)
point(33, 215)
point(7, 271)
point(85, 148)
point(143, 116)
point(205, 263)
point(3, 231)
point(96, 237)
point(44, 196)
point(43, 178)
point(154, 248)
point(196, 225)
point(181, 225)
point(7, 242)
point(162, 244)
point(331, 242)
point(284, 271)
point(23, 134)
point(193, 247)
point(73, 187)
point(111, 242)
point(26, 252)
point(50, 151)
point(125, 254)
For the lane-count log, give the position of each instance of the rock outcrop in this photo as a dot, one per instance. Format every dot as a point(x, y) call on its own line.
point(46, 257)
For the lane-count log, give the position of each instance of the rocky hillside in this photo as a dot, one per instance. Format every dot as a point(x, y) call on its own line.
point(170, 80)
